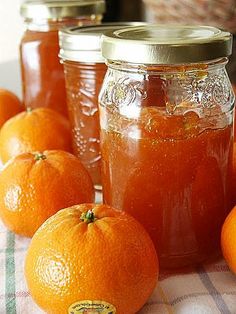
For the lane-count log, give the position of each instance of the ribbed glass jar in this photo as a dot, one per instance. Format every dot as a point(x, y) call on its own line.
point(85, 69)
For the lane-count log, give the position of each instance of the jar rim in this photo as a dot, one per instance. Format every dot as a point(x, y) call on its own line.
point(59, 9)
point(83, 44)
point(166, 44)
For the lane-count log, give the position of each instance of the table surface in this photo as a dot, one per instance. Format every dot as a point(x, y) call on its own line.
point(207, 289)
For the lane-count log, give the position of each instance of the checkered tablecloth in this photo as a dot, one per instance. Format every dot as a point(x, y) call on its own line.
point(207, 289)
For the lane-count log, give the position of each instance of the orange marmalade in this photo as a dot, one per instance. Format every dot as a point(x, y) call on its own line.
point(85, 69)
point(175, 183)
point(42, 74)
point(83, 83)
point(166, 137)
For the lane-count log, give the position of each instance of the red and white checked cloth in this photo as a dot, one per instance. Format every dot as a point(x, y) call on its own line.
point(207, 289)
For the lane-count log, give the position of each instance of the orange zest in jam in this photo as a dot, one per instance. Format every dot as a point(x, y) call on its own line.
point(172, 174)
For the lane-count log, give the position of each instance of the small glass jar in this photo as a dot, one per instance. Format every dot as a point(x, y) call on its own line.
point(42, 74)
point(166, 115)
point(85, 69)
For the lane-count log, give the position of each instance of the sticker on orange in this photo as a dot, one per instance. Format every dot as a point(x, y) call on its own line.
point(91, 307)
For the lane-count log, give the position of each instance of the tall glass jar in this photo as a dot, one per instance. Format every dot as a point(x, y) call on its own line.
point(42, 74)
point(85, 69)
point(166, 115)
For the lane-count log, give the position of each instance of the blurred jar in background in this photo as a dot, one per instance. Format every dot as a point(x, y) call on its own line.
point(85, 69)
point(42, 73)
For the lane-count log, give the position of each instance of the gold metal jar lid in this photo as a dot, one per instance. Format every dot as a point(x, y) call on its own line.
point(165, 44)
point(83, 44)
point(59, 9)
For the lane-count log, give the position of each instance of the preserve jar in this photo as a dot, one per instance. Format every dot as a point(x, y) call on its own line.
point(42, 74)
point(166, 116)
point(84, 69)
point(221, 14)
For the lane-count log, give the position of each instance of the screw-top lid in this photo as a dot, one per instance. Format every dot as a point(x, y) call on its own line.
point(164, 44)
point(83, 44)
point(59, 9)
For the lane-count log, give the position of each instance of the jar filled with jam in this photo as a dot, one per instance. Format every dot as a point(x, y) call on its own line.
point(166, 115)
point(84, 69)
point(42, 73)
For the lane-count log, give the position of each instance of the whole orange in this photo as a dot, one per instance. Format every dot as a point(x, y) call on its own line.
point(10, 105)
point(91, 256)
point(228, 240)
point(33, 187)
point(34, 130)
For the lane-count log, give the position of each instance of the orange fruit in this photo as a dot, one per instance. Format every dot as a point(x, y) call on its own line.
point(34, 130)
point(91, 256)
point(10, 105)
point(35, 186)
point(228, 240)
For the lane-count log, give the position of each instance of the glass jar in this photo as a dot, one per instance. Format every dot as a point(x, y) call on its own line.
point(85, 69)
point(208, 12)
point(166, 115)
point(42, 74)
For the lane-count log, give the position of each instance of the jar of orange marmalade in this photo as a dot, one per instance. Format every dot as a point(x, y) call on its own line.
point(166, 115)
point(84, 69)
point(42, 73)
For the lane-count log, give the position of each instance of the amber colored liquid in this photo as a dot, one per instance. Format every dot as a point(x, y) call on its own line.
point(173, 177)
point(83, 84)
point(42, 73)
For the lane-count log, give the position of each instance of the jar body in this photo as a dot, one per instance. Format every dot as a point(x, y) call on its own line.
point(42, 74)
point(166, 143)
point(83, 84)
